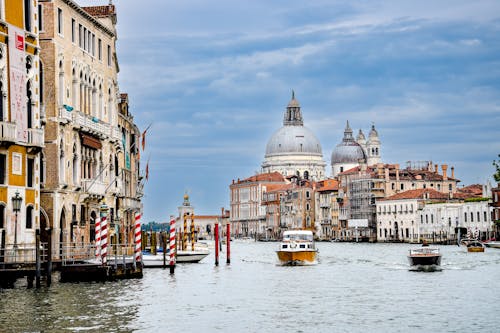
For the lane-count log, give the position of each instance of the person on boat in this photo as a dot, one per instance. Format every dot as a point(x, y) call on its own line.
point(424, 243)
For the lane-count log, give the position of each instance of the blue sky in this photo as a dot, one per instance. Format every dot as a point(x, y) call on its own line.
point(214, 78)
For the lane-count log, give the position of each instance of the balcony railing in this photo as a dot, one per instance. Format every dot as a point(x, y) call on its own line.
point(130, 203)
point(7, 131)
point(115, 134)
point(35, 137)
point(64, 115)
point(95, 187)
point(92, 125)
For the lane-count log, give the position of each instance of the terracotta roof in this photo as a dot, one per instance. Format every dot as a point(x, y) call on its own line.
point(474, 190)
point(100, 11)
point(278, 187)
point(423, 193)
point(328, 185)
point(264, 177)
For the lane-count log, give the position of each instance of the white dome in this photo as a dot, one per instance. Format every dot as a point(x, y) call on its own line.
point(296, 140)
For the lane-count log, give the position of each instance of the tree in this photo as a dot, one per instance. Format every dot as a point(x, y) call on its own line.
point(496, 175)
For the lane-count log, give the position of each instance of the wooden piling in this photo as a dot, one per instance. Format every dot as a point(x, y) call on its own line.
point(228, 243)
point(49, 257)
point(216, 244)
point(192, 233)
point(164, 245)
point(184, 234)
point(37, 258)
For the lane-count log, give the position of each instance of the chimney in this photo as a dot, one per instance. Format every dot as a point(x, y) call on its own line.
point(436, 169)
point(453, 172)
point(396, 166)
point(444, 167)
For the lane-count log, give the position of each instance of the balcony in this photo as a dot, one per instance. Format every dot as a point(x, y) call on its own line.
point(92, 125)
point(116, 187)
point(35, 137)
point(94, 187)
point(130, 203)
point(7, 131)
point(64, 116)
point(115, 134)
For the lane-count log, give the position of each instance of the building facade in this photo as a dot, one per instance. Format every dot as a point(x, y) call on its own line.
point(84, 170)
point(21, 128)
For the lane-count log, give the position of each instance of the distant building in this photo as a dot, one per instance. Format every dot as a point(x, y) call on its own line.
point(327, 209)
point(294, 149)
point(297, 206)
point(495, 210)
point(247, 213)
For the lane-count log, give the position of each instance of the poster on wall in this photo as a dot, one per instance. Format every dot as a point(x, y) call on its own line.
point(17, 79)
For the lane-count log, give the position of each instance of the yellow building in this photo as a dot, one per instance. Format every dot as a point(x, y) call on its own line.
point(21, 135)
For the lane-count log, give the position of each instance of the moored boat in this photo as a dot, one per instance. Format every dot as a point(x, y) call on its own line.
point(297, 248)
point(424, 256)
point(492, 243)
point(150, 260)
point(472, 245)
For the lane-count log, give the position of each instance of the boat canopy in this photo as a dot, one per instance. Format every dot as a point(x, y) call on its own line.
point(306, 235)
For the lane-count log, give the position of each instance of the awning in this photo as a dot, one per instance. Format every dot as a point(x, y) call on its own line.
point(90, 141)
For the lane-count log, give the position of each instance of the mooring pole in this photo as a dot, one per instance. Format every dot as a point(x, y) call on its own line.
point(228, 242)
point(164, 245)
point(216, 244)
point(49, 257)
point(172, 245)
point(37, 254)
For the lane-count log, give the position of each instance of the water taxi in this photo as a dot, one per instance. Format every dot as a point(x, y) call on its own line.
point(424, 256)
point(297, 248)
point(472, 245)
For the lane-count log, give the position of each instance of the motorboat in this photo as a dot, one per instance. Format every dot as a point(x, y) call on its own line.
point(492, 243)
point(150, 260)
point(424, 256)
point(475, 246)
point(297, 248)
point(472, 245)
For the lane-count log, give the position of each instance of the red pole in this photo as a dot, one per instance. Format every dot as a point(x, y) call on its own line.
point(217, 244)
point(228, 243)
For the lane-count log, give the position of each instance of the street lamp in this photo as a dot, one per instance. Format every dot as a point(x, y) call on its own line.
point(16, 206)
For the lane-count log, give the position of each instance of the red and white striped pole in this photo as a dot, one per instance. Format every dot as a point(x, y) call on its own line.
point(172, 245)
point(98, 238)
point(104, 233)
point(138, 240)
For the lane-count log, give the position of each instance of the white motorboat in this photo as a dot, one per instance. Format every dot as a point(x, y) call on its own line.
point(150, 260)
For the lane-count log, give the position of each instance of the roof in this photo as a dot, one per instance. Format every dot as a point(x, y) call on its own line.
point(100, 11)
point(423, 193)
point(406, 174)
point(264, 177)
point(328, 185)
point(474, 190)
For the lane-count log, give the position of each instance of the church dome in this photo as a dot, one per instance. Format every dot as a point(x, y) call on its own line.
point(293, 140)
point(348, 151)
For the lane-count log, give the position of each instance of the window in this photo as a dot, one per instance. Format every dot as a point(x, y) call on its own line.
point(3, 168)
point(59, 21)
point(99, 49)
point(402, 186)
point(73, 31)
point(29, 217)
point(478, 217)
point(471, 216)
point(432, 218)
point(2, 216)
point(92, 46)
point(80, 35)
point(27, 15)
point(1, 101)
point(109, 55)
point(465, 217)
point(450, 187)
point(393, 186)
point(29, 172)
point(40, 17)
point(40, 82)
point(485, 217)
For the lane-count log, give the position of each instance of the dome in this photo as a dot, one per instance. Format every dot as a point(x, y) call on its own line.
point(297, 140)
point(348, 151)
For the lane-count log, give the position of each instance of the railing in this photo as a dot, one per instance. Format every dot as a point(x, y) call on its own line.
point(115, 134)
point(92, 186)
point(131, 203)
point(35, 137)
point(92, 124)
point(22, 253)
point(64, 115)
point(86, 253)
point(7, 131)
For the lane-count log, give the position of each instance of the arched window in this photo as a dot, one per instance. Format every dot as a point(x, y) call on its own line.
point(61, 163)
point(1, 101)
point(75, 166)
point(40, 82)
point(42, 168)
point(61, 84)
point(29, 217)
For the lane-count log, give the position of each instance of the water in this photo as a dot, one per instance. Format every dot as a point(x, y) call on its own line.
point(353, 288)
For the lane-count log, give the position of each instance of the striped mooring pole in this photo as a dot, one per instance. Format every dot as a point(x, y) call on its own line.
point(98, 238)
point(172, 245)
point(138, 238)
point(104, 233)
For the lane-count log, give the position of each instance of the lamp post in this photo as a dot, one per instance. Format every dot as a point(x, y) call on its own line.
point(16, 206)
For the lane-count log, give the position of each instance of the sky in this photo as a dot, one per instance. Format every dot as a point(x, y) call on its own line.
point(214, 78)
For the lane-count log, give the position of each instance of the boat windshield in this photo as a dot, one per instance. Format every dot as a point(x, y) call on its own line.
point(298, 237)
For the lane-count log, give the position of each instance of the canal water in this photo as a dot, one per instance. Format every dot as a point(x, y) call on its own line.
point(353, 288)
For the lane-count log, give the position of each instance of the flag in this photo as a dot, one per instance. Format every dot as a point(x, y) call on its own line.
point(144, 137)
point(147, 170)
